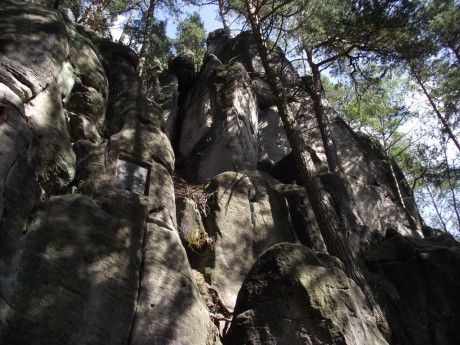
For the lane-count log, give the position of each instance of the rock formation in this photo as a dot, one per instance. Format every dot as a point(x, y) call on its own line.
point(168, 212)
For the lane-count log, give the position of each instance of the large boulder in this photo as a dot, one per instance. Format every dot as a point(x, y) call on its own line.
point(293, 295)
point(34, 45)
point(19, 189)
point(77, 279)
point(247, 216)
point(183, 66)
point(419, 284)
point(34, 66)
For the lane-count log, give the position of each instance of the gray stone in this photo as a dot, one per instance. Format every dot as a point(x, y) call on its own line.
point(52, 155)
point(233, 132)
point(189, 221)
point(81, 128)
point(34, 45)
point(247, 217)
point(183, 66)
point(166, 94)
point(77, 279)
point(169, 307)
point(303, 219)
point(197, 117)
point(418, 283)
point(293, 295)
point(273, 143)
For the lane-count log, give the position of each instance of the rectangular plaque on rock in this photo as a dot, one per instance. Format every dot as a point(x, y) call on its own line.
point(132, 176)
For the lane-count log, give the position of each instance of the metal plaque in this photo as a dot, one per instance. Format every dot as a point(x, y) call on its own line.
point(131, 176)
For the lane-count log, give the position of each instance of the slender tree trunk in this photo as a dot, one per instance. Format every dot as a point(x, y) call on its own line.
point(129, 22)
point(436, 208)
point(451, 186)
point(224, 18)
point(147, 33)
point(98, 13)
point(321, 118)
point(435, 108)
point(88, 12)
point(325, 214)
point(395, 180)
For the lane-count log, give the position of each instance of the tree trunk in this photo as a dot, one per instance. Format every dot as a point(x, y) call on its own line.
point(321, 118)
point(327, 218)
point(98, 13)
point(436, 208)
point(223, 17)
point(88, 12)
point(435, 108)
point(147, 33)
point(451, 185)
point(129, 22)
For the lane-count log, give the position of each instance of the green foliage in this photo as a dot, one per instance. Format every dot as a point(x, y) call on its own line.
point(160, 44)
point(191, 36)
point(376, 105)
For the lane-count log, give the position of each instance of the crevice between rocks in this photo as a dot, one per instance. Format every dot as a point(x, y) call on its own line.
point(139, 287)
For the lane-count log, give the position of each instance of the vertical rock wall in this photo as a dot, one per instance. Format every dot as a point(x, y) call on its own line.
point(90, 248)
point(82, 261)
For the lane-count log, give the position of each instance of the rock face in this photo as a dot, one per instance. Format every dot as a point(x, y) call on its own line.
point(101, 242)
point(365, 169)
point(101, 262)
point(420, 286)
point(247, 217)
point(293, 295)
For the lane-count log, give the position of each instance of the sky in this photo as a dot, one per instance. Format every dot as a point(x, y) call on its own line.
point(208, 13)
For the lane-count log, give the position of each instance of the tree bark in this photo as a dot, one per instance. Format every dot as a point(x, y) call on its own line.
point(147, 33)
point(223, 17)
point(441, 118)
point(325, 214)
point(88, 12)
point(436, 208)
point(129, 22)
point(321, 118)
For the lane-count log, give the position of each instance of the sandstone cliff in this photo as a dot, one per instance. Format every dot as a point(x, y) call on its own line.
point(169, 213)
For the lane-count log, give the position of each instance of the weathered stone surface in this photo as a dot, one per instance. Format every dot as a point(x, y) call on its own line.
point(189, 221)
point(35, 66)
point(77, 278)
point(371, 186)
point(420, 287)
point(183, 66)
point(84, 269)
point(52, 155)
point(166, 94)
point(273, 143)
point(103, 262)
point(169, 307)
point(293, 295)
point(247, 217)
point(303, 219)
point(19, 190)
point(134, 123)
point(232, 140)
point(34, 44)
point(197, 116)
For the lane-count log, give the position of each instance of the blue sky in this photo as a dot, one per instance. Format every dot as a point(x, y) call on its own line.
point(208, 13)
